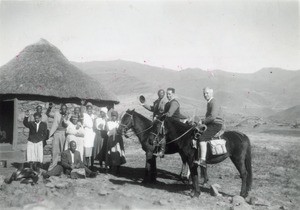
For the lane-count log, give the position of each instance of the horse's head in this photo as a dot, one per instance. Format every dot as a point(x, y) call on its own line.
point(126, 122)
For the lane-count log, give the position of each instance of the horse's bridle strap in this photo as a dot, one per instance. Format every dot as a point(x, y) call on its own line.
point(131, 117)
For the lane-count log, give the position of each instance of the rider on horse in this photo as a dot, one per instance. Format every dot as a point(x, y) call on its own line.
point(158, 105)
point(214, 124)
point(172, 109)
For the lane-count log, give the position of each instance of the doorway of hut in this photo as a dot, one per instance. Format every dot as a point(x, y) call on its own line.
point(6, 122)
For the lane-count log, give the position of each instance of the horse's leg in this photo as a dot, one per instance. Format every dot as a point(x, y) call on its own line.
point(241, 167)
point(185, 170)
point(153, 174)
point(248, 164)
point(182, 172)
point(147, 170)
point(204, 175)
point(194, 174)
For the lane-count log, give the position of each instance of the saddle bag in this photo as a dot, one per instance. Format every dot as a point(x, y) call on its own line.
point(218, 146)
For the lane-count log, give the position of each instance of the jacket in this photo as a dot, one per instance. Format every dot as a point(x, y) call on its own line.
point(57, 119)
point(36, 136)
point(172, 109)
point(66, 160)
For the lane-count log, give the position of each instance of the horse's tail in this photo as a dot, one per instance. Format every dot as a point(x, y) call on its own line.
point(248, 164)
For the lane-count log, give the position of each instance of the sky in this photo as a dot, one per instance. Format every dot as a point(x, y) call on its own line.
point(237, 36)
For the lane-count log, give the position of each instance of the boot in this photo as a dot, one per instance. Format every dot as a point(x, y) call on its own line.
point(201, 159)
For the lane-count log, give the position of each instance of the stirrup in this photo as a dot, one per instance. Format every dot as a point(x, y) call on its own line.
point(159, 154)
point(200, 163)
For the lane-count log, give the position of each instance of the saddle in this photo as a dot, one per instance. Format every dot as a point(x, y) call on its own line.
point(218, 146)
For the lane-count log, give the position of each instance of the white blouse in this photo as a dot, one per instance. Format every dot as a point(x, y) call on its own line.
point(100, 123)
point(112, 127)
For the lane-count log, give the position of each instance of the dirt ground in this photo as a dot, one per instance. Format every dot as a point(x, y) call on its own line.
point(276, 182)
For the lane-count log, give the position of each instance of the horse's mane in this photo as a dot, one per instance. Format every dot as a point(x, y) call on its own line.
point(147, 120)
point(178, 124)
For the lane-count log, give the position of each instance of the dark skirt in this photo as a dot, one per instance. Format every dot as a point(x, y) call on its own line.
point(100, 146)
point(114, 151)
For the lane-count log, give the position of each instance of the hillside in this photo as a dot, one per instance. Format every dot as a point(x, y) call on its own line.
point(290, 115)
point(262, 93)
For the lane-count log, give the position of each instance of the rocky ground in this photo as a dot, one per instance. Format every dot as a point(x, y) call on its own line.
point(276, 183)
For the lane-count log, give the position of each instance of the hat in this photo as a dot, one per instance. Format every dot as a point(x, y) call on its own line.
point(114, 113)
point(104, 109)
point(39, 105)
point(89, 104)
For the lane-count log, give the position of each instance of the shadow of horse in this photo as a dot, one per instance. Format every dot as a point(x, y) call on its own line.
point(173, 183)
point(136, 174)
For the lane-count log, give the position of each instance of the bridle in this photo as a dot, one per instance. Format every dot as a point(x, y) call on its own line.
point(127, 127)
point(131, 120)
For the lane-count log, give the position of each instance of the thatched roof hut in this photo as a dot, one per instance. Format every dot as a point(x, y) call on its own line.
point(42, 72)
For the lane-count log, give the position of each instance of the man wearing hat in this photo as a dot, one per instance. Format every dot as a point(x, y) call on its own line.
point(158, 105)
point(100, 143)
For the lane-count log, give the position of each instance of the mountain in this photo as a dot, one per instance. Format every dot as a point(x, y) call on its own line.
point(262, 93)
point(290, 115)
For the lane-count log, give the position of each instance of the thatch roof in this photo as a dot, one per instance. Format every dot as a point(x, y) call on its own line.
point(42, 71)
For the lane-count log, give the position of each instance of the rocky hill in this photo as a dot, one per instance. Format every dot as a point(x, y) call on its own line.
point(262, 93)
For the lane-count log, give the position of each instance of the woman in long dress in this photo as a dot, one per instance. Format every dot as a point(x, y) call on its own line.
point(100, 143)
point(115, 146)
point(75, 132)
point(89, 134)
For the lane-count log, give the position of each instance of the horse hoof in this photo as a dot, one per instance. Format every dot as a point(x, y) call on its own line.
point(145, 181)
point(184, 180)
point(153, 181)
point(195, 194)
point(244, 195)
point(204, 184)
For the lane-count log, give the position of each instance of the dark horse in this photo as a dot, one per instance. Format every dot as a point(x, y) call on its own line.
point(238, 149)
point(144, 130)
point(179, 138)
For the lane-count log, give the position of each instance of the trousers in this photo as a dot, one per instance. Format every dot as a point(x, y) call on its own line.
point(58, 144)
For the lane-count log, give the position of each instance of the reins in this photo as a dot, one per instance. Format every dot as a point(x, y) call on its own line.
point(181, 135)
point(162, 128)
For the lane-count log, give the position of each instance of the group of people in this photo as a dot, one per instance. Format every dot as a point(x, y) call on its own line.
point(78, 139)
point(171, 108)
